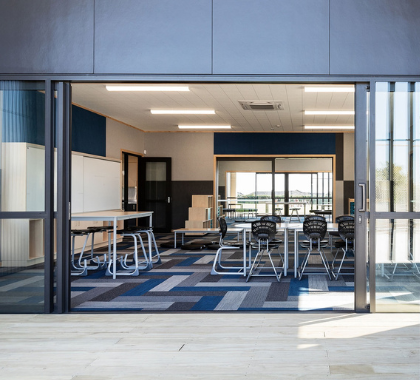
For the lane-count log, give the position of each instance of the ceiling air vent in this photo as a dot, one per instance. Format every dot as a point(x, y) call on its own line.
point(261, 105)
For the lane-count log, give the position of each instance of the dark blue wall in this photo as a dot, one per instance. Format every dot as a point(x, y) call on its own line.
point(24, 121)
point(88, 132)
point(274, 143)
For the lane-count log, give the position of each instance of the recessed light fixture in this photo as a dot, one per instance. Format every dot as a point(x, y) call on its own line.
point(204, 126)
point(329, 89)
point(146, 88)
point(182, 112)
point(329, 112)
point(328, 126)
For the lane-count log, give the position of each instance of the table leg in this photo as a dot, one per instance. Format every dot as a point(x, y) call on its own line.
point(114, 253)
point(296, 253)
point(174, 239)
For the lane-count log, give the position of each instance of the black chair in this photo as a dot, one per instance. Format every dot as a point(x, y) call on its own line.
point(346, 245)
point(335, 234)
point(225, 246)
point(314, 231)
point(264, 231)
point(275, 219)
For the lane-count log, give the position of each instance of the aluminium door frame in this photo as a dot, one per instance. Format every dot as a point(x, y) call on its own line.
point(65, 183)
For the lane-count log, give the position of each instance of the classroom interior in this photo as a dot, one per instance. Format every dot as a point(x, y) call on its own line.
point(256, 149)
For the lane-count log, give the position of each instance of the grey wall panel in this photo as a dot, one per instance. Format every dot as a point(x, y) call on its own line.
point(46, 36)
point(153, 36)
point(271, 37)
point(379, 37)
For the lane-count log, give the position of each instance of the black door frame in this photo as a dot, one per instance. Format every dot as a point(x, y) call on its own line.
point(142, 196)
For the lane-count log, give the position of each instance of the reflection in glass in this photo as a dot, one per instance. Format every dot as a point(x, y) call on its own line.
point(397, 184)
point(22, 150)
point(22, 265)
point(397, 265)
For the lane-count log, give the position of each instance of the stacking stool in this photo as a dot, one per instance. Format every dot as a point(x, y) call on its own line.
point(130, 269)
point(151, 239)
point(81, 267)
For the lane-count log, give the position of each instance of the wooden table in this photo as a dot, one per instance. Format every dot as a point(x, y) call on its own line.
point(113, 216)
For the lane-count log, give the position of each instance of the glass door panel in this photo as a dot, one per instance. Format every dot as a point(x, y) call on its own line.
point(397, 166)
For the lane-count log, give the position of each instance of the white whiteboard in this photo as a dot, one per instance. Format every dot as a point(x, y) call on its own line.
point(76, 183)
point(101, 185)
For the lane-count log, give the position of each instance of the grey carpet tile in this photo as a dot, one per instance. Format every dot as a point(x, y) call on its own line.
point(278, 291)
point(170, 283)
point(211, 278)
point(125, 305)
point(89, 295)
point(231, 301)
point(168, 298)
point(114, 292)
point(169, 264)
point(211, 293)
point(20, 283)
point(255, 297)
point(318, 283)
point(194, 279)
point(181, 306)
point(205, 260)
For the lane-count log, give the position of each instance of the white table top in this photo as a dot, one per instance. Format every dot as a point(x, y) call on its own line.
point(109, 215)
point(290, 226)
point(208, 230)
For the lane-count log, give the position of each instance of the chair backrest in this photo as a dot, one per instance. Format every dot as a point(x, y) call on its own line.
point(263, 230)
point(314, 217)
point(272, 218)
point(223, 227)
point(340, 218)
point(314, 229)
point(346, 230)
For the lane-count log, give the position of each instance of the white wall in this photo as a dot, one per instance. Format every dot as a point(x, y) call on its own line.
point(120, 136)
point(192, 153)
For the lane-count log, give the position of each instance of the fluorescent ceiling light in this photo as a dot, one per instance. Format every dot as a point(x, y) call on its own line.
point(328, 126)
point(329, 89)
point(146, 88)
point(329, 112)
point(182, 112)
point(204, 126)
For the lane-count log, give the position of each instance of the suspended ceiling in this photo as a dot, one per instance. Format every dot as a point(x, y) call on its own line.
point(133, 108)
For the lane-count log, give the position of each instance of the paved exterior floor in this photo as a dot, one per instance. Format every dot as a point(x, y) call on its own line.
point(210, 346)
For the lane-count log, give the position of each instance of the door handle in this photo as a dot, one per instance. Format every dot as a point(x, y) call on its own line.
point(363, 186)
point(169, 199)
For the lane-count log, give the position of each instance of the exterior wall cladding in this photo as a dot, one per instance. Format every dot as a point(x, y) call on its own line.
point(210, 37)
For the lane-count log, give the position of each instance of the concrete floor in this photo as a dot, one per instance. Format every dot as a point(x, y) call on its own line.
point(210, 346)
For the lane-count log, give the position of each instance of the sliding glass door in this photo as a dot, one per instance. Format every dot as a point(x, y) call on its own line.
point(395, 197)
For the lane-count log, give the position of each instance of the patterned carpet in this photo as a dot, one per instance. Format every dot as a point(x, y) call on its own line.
point(182, 282)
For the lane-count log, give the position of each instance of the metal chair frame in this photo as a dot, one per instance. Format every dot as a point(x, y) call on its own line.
point(264, 231)
point(224, 246)
point(346, 232)
point(314, 231)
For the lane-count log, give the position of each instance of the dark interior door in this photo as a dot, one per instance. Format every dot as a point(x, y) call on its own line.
point(155, 191)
